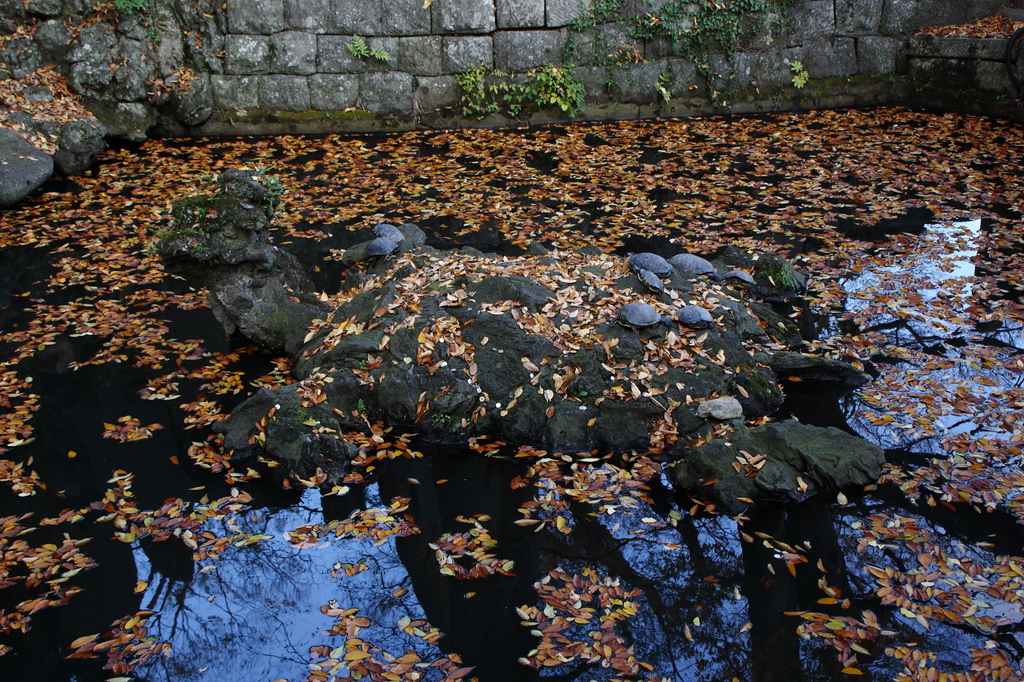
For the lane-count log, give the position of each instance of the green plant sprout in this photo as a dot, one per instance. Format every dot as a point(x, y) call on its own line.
point(800, 75)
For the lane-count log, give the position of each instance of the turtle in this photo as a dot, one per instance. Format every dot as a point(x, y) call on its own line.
point(650, 280)
point(389, 231)
point(739, 277)
point(651, 262)
point(639, 314)
point(694, 265)
point(695, 317)
point(381, 247)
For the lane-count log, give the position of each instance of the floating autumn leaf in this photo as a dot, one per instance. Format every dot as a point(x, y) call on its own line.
point(130, 429)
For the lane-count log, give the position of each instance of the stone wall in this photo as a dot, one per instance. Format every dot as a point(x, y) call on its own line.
point(182, 67)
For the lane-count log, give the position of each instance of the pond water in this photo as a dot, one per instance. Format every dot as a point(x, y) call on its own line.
point(624, 579)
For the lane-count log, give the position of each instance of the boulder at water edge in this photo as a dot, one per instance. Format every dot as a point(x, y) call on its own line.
point(783, 461)
point(23, 168)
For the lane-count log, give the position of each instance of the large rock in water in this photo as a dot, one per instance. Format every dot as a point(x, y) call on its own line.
point(23, 168)
point(527, 350)
point(783, 461)
point(221, 242)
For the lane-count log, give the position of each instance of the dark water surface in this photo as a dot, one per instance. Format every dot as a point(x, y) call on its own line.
point(716, 597)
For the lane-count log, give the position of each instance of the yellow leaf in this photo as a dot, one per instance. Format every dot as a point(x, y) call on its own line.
point(357, 655)
point(82, 641)
point(851, 671)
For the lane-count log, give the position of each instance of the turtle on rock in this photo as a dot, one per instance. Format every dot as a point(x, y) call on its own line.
point(695, 317)
point(690, 264)
point(638, 314)
point(651, 281)
point(651, 262)
point(389, 231)
point(740, 278)
point(382, 248)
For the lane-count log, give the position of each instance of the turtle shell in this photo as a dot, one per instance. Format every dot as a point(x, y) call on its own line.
point(741, 277)
point(381, 247)
point(695, 317)
point(687, 262)
point(639, 314)
point(650, 280)
point(389, 231)
point(651, 262)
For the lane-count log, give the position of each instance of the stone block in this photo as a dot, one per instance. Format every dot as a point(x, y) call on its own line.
point(771, 69)
point(944, 74)
point(905, 17)
point(991, 77)
point(957, 48)
point(308, 15)
point(246, 54)
point(293, 52)
point(523, 50)
point(437, 93)
point(235, 92)
point(405, 18)
point(467, 52)
point(638, 8)
point(359, 17)
point(464, 16)
point(830, 58)
point(420, 55)
point(255, 16)
point(599, 45)
point(858, 17)
point(333, 55)
point(769, 31)
point(686, 81)
point(387, 92)
point(46, 8)
point(388, 46)
point(559, 13)
point(595, 82)
point(333, 92)
point(638, 82)
point(284, 93)
point(977, 9)
point(812, 21)
point(730, 74)
point(878, 55)
point(519, 13)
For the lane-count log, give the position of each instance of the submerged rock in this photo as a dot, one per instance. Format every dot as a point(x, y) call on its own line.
point(783, 461)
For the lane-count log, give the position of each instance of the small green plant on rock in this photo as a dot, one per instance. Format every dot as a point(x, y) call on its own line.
point(664, 82)
point(485, 93)
point(800, 75)
point(131, 6)
point(360, 49)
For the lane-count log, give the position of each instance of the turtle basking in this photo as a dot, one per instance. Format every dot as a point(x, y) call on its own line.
point(389, 231)
point(740, 278)
point(651, 262)
point(695, 317)
point(690, 264)
point(382, 248)
point(651, 281)
point(638, 314)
